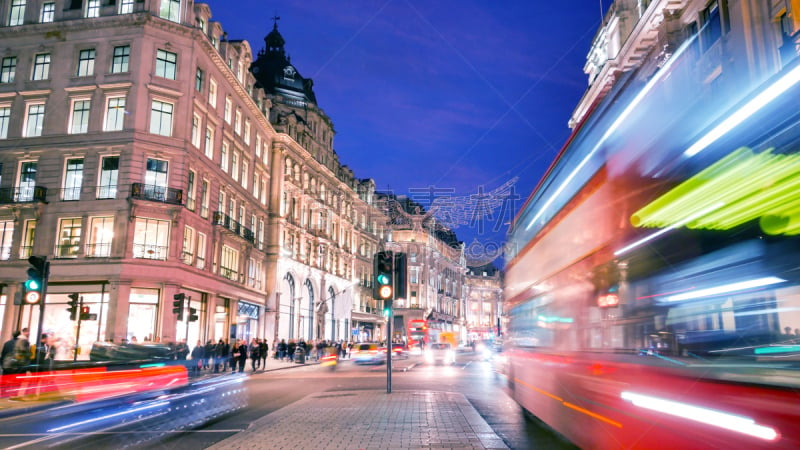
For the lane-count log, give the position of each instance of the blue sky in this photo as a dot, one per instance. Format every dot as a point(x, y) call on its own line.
point(458, 96)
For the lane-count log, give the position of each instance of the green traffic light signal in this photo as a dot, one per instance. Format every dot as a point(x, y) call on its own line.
point(33, 285)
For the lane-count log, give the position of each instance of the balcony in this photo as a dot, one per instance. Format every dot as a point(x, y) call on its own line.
point(23, 195)
point(155, 193)
point(101, 250)
point(148, 251)
point(233, 226)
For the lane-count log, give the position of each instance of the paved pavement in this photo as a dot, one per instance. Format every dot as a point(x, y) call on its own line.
point(368, 420)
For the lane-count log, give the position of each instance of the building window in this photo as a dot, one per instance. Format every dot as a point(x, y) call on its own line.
point(413, 273)
point(196, 130)
point(204, 199)
point(121, 58)
point(109, 174)
point(100, 238)
point(209, 143)
point(228, 115)
point(8, 70)
point(188, 245)
point(166, 64)
point(201, 251)
point(161, 118)
point(223, 162)
point(73, 179)
point(170, 10)
point(34, 120)
point(229, 263)
point(5, 118)
point(48, 12)
point(712, 25)
point(198, 80)
point(93, 8)
point(41, 67)
point(17, 14)
point(126, 6)
point(6, 235)
point(69, 238)
point(237, 124)
point(79, 123)
point(245, 170)
point(190, 192)
point(263, 191)
point(26, 250)
point(212, 93)
point(258, 145)
point(235, 166)
point(261, 234)
point(86, 63)
point(246, 136)
point(115, 114)
point(151, 238)
point(155, 177)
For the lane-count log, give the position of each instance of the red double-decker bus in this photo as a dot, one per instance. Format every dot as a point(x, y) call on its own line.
point(417, 335)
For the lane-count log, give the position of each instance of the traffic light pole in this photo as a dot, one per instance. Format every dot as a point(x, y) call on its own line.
point(78, 332)
point(40, 328)
point(188, 303)
point(389, 321)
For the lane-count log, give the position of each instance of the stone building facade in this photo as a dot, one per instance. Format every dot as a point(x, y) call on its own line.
point(141, 155)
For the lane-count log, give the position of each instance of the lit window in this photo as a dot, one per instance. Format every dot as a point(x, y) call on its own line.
point(126, 6)
point(48, 12)
point(8, 70)
point(212, 93)
point(6, 235)
point(246, 136)
point(190, 192)
point(204, 198)
point(17, 15)
point(201, 251)
point(73, 179)
point(223, 162)
point(161, 118)
point(69, 238)
point(196, 130)
point(93, 8)
point(237, 124)
point(115, 114)
point(209, 143)
point(245, 170)
point(229, 263)
point(151, 238)
point(86, 63)
point(41, 67)
point(235, 166)
point(228, 107)
point(170, 10)
point(5, 118)
point(166, 64)
point(34, 120)
point(27, 180)
point(188, 245)
point(121, 58)
point(100, 237)
point(80, 117)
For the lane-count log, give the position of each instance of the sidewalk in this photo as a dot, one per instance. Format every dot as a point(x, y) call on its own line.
point(370, 420)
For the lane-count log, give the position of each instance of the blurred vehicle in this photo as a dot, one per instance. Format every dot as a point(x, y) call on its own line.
point(651, 288)
point(440, 353)
point(368, 353)
point(399, 351)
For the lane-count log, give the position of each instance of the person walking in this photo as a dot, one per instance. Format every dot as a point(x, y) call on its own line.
point(242, 355)
point(263, 349)
point(198, 356)
point(255, 354)
point(45, 354)
point(282, 349)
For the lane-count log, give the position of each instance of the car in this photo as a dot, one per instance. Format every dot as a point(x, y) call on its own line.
point(368, 353)
point(399, 351)
point(441, 352)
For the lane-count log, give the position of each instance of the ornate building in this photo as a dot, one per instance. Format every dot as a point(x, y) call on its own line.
point(143, 158)
point(484, 287)
point(435, 289)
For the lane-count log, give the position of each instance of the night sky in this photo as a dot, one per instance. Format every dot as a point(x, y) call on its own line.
point(444, 96)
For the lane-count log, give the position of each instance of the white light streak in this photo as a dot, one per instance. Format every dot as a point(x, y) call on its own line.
point(681, 223)
point(725, 288)
point(707, 416)
point(753, 106)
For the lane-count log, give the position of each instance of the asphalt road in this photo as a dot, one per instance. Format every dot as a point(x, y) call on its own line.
point(473, 377)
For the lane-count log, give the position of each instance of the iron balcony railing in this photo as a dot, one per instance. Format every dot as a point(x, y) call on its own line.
point(155, 193)
point(228, 223)
point(23, 195)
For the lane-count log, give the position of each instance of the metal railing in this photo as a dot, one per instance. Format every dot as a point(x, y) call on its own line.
point(23, 195)
point(228, 223)
point(156, 193)
point(150, 251)
point(102, 250)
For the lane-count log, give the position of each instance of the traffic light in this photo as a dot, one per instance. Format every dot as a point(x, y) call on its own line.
point(84, 313)
point(73, 305)
point(177, 304)
point(400, 271)
point(382, 267)
point(193, 315)
point(38, 272)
